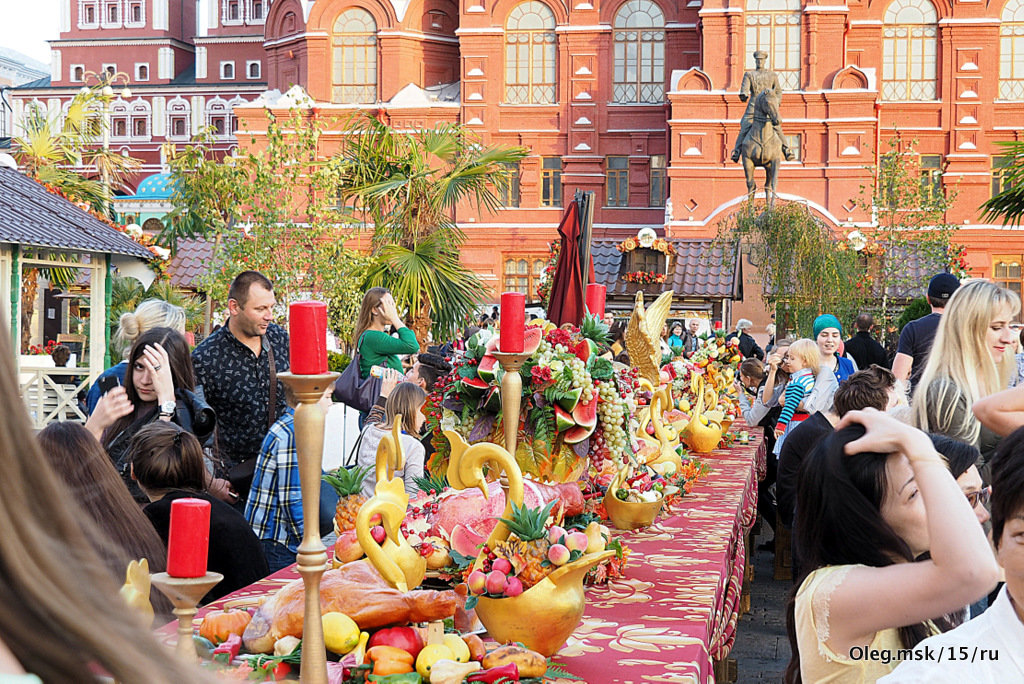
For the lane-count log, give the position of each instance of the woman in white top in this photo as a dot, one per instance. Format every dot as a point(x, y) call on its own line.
point(868, 503)
point(406, 400)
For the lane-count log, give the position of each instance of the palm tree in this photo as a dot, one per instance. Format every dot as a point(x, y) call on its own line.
point(1008, 205)
point(407, 187)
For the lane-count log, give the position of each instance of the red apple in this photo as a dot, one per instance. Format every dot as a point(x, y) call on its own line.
point(347, 548)
point(502, 565)
point(406, 638)
point(378, 534)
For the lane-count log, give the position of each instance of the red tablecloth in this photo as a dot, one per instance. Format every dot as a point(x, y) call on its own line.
point(676, 611)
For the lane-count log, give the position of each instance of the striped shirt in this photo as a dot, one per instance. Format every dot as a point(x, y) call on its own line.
point(800, 385)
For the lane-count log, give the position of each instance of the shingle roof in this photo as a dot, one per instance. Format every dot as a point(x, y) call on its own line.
point(191, 259)
point(31, 215)
point(697, 270)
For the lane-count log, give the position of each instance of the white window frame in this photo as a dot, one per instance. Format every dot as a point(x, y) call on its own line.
point(259, 69)
point(224, 77)
point(250, 12)
point(128, 21)
point(138, 65)
point(82, 5)
point(71, 73)
point(141, 109)
point(104, 68)
point(225, 14)
point(107, 23)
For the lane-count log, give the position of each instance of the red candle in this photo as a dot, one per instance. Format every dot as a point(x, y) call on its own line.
point(595, 299)
point(188, 540)
point(513, 322)
point(307, 338)
point(718, 325)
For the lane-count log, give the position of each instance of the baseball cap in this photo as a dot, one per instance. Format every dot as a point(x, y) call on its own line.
point(943, 286)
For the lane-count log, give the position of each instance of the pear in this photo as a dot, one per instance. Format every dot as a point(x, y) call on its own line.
point(595, 540)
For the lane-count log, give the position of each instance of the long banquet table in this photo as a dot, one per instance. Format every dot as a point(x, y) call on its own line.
point(675, 612)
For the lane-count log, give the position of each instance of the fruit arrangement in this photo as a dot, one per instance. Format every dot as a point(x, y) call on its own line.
point(574, 404)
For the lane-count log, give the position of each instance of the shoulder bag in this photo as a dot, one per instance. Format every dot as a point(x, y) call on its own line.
point(353, 390)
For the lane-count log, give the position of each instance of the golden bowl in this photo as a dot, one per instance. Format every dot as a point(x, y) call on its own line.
point(726, 424)
point(543, 616)
point(631, 515)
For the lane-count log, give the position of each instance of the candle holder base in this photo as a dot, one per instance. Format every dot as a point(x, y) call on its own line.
point(511, 361)
point(308, 387)
point(184, 593)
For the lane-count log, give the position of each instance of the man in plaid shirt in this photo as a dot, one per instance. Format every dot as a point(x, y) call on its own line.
point(274, 507)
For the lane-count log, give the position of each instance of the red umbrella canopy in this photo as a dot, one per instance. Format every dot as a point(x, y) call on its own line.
point(566, 303)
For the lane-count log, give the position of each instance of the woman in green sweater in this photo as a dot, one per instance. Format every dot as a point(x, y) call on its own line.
point(377, 347)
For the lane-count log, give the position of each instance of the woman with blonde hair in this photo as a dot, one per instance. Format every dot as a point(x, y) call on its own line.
point(406, 400)
point(152, 313)
point(63, 619)
point(968, 362)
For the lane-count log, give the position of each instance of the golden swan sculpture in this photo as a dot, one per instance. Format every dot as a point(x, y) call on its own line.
point(396, 560)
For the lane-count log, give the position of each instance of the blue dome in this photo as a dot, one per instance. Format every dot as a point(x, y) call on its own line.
point(158, 186)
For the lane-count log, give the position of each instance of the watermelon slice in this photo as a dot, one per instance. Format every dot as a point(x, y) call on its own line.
point(466, 541)
point(563, 419)
point(492, 344)
point(475, 386)
point(531, 340)
point(570, 401)
point(579, 433)
point(582, 350)
point(585, 413)
point(493, 401)
point(487, 369)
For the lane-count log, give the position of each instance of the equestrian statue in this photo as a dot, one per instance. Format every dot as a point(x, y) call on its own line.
point(760, 141)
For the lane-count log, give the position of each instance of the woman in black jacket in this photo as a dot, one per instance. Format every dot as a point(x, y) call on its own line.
point(159, 385)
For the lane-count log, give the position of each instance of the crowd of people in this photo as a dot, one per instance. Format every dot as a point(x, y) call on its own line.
point(887, 480)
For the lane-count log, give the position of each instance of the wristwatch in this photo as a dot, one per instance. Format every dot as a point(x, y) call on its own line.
point(167, 408)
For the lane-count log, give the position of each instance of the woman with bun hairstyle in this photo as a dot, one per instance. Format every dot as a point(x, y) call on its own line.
point(968, 362)
point(873, 497)
point(152, 313)
point(63, 620)
point(160, 387)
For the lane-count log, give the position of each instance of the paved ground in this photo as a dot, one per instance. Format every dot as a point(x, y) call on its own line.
point(762, 647)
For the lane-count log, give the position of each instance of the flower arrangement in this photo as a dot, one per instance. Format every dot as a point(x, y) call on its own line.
point(574, 404)
point(644, 277)
point(659, 245)
point(43, 350)
point(548, 276)
point(956, 256)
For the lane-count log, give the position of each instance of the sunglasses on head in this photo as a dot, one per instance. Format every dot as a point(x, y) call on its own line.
point(982, 495)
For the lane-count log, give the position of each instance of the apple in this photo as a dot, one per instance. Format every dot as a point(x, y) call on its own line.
point(406, 638)
point(514, 587)
point(347, 548)
point(496, 582)
point(378, 534)
point(477, 582)
point(502, 565)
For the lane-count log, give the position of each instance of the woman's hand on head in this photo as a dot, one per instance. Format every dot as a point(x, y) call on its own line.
point(111, 406)
point(221, 489)
point(154, 357)
point(886, 435)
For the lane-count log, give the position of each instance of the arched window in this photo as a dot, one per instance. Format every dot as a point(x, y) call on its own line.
point(355, 57)
point(773, 26)
point(639, 53)
point(909, 43)
point(530, 50)
point(1011, 51)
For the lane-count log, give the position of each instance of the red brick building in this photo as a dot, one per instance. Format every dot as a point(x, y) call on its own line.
point(184, 71)
point(635, 100)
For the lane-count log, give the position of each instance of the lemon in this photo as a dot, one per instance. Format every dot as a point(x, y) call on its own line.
point(341, 633)
point(430, 654)
point(458, 647)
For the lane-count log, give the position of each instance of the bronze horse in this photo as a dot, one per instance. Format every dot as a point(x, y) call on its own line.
point(762, 146)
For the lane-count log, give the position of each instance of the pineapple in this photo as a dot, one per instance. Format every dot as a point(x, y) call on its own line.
point(349, 485)
point(528, 526)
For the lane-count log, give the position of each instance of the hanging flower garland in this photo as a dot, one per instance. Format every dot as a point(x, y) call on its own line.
point(644, 277)
point(659, 245)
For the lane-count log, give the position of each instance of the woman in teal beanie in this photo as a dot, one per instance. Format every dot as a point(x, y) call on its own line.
point(828, 333)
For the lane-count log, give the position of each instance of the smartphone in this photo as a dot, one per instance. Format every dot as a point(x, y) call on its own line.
point(377, 371)
point(108, 382)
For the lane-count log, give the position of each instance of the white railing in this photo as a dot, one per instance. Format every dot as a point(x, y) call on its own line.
point(51, 394)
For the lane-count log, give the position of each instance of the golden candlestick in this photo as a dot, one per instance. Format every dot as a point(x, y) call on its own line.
point(184, 593)
point(312, 554)
point(511, 395)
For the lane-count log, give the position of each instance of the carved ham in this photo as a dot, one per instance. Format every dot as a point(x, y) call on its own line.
point(355, 589)
point(467, 518)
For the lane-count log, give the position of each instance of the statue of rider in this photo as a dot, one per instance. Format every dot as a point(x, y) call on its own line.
point(754, 82)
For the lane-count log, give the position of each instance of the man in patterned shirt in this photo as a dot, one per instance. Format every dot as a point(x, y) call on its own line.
point(233, 366)
point(274, 508)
